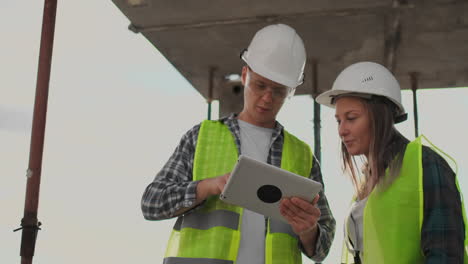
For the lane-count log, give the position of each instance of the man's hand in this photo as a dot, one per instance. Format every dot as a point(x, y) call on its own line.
point(303, 217)
point(207, 188)
point(211, 186)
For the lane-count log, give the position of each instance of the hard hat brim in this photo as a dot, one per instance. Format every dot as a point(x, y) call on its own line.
point(326, 98)
point(267, 73)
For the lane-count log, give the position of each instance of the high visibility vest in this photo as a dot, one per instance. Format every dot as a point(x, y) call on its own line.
point(211, 234)
point(393, 217)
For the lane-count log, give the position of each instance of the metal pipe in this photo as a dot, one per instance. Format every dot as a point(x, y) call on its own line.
point(317, 130)
point(317, 120)
point(209, 111)
point(317, 110)
point(210, 89)
point(29, 223)
point(414, 86)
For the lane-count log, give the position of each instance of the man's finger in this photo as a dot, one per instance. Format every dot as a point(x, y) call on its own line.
point(315, 201)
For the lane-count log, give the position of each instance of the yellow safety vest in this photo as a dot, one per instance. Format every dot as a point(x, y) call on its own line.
point(211, 234)
point(393, 217)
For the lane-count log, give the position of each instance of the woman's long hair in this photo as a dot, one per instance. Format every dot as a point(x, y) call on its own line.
point(386, 148)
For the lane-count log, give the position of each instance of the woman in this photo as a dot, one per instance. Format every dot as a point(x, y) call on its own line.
point(407, 207)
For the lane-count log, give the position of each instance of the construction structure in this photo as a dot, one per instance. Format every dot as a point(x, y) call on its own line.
point(423, 42)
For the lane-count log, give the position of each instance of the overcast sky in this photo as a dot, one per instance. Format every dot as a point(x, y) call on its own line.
point(117, 110)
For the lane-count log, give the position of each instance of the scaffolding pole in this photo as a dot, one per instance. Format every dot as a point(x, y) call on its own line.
point(210, 89)
point(317, 130)
point(30, 224)
point(317, 112)
point(317, 121)
point(414, 87)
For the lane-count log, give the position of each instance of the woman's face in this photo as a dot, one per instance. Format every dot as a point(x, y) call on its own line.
point(353, 125)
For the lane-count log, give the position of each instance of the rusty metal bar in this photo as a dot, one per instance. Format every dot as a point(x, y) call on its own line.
point(414, 87)
point(29, 223)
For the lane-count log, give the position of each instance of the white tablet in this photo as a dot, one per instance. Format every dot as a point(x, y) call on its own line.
point(259, 187)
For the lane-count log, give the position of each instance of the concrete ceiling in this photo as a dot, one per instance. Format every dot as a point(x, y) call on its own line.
point(426, 37)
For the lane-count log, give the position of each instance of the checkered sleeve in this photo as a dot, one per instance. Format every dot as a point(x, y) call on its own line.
point(173, 189)
point(442, 234)
point(326, 223)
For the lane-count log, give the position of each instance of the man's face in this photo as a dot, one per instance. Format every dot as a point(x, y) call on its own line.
point(263, 99)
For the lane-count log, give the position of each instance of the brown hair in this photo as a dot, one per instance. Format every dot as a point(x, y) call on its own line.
point(385, 151)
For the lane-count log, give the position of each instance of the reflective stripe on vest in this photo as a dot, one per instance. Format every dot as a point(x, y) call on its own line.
point(393, 217)
point(211, 233)
point(171, 260)
point(208, 220)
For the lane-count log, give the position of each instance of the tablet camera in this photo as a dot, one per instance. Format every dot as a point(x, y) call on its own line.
point(269, 194)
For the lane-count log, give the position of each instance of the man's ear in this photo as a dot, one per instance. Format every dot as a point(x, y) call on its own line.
point(244, 75)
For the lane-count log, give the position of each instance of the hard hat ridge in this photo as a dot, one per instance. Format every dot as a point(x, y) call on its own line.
point(276, 52)
point(366, 78)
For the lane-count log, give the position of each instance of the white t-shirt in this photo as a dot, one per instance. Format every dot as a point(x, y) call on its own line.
point(354, 224)
point(255, 143)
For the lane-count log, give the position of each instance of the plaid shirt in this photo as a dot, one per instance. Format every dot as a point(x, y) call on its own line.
point(173, 187)
point(443, 230)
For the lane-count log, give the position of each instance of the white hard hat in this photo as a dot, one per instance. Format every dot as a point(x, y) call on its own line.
point(276, 52)
point(366, 78)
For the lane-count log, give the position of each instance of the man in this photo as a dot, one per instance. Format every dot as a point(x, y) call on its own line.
point(213, 232)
